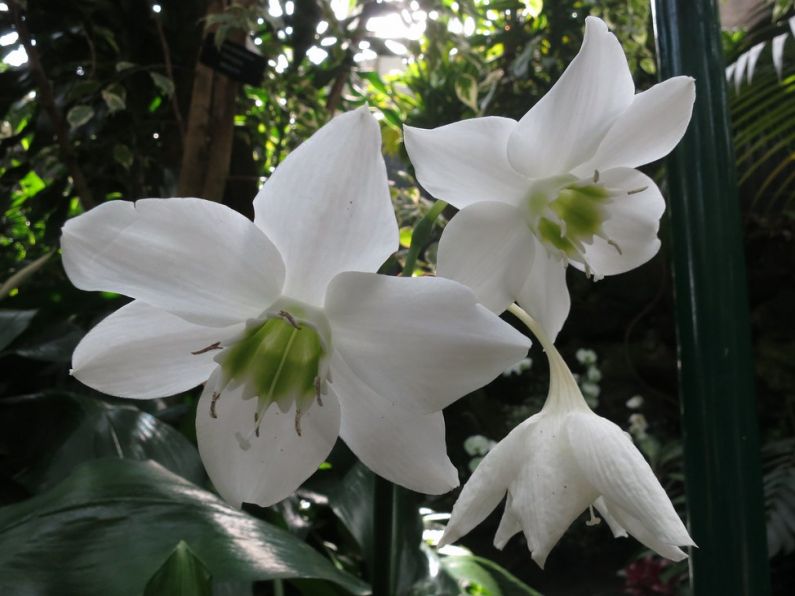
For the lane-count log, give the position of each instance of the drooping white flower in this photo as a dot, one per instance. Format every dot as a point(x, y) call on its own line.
point(557, 464)
point(557, 187)
point(296, 337)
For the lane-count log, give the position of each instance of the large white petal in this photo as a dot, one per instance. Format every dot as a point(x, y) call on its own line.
point(404, 447)
point(263, 469)
point(488, 248)
point(466, 162)
point(632, 223)
point(194, 258)
point(327, 206)
point(488, 483)
point(566, 126)
point(648, 129)
point(642, 534)
point(614, 466)
point(545, 295)
point(143, 352)
point(419, 342)
point(549, 492)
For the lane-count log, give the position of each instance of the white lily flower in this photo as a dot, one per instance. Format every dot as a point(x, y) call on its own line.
point(287, 310)
point(557, 464)
point(557, 187)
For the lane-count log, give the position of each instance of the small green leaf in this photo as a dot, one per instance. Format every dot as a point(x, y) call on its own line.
point(405, 236)
point(79, 115)
point(466, 89)
point(123, 155)
point(163, 83)
point(123, 65)
point(13, 323)
point(183, 574)
point(115, 98)
point(375, 80)
point(534, 7)
point(392, 117)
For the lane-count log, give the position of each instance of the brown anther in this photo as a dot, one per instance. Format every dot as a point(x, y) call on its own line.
point(256, 430)
point(213, 413)
point(595, 176)
point(637, 190)
point(215, 346)
point(298, 414)
point(318, 391)
point(289, 318)
point(256, 416)
point(616, 246)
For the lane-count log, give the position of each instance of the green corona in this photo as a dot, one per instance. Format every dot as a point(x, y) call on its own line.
point(280, 360)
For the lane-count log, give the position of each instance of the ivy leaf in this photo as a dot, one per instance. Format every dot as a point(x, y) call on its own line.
point(115, 98)
point(123, 155)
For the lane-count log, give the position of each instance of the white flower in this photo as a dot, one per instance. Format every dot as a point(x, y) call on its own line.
point(557, 464)
point(557, 187)
point(286, 310)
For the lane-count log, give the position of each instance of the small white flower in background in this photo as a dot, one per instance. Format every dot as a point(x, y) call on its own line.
point(635, 402)
point(296, 337)
point(638, 425)
point(559, 463)
point(585, 356)
point(523, 365)
point(558, 187)
point(476, 447)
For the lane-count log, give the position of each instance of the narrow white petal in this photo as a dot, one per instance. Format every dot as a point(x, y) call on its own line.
point(404, 447)
point(632, 224)
point(642, 533)
point(488, 248)
point(549, 492)
point(419, 342)
point(544, 295)
point(648, 129)
point(143, 352)
point(466, 162)
point(327, 206)
point(566, 126)
point(264, 469)
point(488, 483)
point(616, 528)
point(195, 258)
point(510, 525)
point(739, 71)
point(614, 466)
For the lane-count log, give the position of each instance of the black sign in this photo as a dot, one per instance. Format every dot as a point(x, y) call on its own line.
point(234, 60)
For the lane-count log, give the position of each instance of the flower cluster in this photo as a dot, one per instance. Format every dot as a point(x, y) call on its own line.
point(298, 340)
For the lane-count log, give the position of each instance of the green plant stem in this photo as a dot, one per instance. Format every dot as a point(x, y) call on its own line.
point(420, 235)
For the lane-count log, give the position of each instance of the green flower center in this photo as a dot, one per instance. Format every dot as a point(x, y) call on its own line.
point(281, 360)
point(566, 217)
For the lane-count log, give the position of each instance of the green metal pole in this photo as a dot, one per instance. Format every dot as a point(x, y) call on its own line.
point(722, 462)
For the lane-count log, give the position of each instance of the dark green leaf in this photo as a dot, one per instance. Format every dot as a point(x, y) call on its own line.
point(81, 428)
point(112, 523)
point(183, 574)
point(54, 344)
point(123, 155)
point(13, 323)
point(488, 575)
point(79, 115)
point(375, 80)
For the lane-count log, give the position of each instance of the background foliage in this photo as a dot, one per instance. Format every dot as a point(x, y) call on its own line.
point(113, 490)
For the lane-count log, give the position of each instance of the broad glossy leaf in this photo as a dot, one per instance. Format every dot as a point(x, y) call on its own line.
point(352, 502)
point(183, 574)
point(13, 323)
point(490, 577)
point(108, 528)
point(64, 430)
